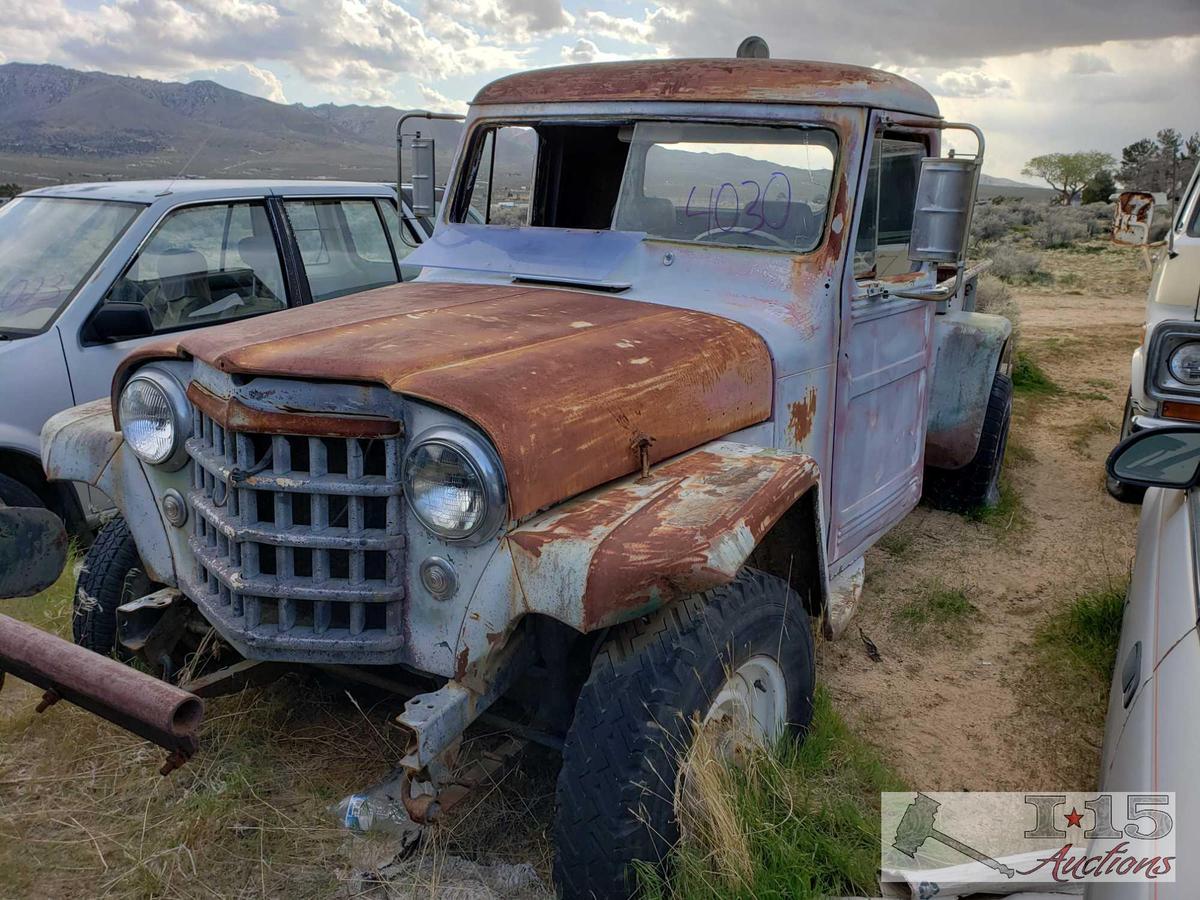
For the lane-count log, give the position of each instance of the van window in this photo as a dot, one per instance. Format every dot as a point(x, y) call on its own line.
point(342, 244)
point(206, 264)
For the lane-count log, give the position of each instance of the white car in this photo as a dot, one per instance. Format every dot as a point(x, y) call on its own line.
point(1153, 728)
point(88, 272)
point(1165, 379)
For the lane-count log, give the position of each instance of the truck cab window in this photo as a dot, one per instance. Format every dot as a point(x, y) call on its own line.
point(505, 163)
point(881, 248)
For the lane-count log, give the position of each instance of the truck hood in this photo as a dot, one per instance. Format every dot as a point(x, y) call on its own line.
point(566, 384)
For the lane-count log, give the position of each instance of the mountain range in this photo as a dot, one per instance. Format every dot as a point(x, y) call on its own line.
point(59, 124)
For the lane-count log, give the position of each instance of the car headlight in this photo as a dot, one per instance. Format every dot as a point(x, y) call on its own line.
point(1184, 363)
point(155, 418)
point(454, 484)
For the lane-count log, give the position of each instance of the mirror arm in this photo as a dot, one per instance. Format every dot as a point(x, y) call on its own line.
point(414, 114)
point(937, 293)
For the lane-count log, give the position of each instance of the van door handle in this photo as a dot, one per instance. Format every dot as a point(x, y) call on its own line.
point(1131, 674)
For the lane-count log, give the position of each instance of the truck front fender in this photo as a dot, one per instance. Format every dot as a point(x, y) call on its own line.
point(80, 444)
point(625, 549)
point(969, 348)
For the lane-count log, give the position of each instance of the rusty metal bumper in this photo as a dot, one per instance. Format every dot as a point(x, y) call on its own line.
point(153, 709)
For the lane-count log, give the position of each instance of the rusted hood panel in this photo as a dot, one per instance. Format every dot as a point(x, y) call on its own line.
point(564, 382)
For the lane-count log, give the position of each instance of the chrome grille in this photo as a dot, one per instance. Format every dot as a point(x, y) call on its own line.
point(298, 541)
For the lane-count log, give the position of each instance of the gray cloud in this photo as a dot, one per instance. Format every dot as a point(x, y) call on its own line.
point(935, 32)
point(1085, 63)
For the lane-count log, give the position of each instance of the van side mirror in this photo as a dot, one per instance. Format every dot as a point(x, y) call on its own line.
point(118, 320)
point(33, 550)
point(944, 205)
point(1132, 218)
point(1160, 457)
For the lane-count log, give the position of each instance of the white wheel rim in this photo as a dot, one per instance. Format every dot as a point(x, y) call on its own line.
point(748, 713)
point(752, 703)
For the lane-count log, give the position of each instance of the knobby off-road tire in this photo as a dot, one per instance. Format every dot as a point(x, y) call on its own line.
point(634, 722)
point(110, 562)
point(1118, 490)
point(977, 484)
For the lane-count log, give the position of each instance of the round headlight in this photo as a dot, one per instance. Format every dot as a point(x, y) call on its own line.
point(1184, 364)
point(453, 484)
point(154, 418)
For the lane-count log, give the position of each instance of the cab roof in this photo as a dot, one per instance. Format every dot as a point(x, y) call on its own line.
point(716, 81)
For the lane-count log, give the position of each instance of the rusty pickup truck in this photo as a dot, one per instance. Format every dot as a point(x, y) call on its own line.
point(678, 356)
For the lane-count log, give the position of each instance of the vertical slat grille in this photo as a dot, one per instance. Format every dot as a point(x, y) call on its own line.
point(297, 538)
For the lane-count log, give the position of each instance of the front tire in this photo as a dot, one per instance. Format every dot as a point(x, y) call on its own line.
point(634, 721)
point(977, 484)
point(1118, 490)
point(14, 493)
point(111, 570)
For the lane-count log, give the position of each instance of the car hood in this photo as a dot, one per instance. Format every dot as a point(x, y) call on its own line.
point(567, 384)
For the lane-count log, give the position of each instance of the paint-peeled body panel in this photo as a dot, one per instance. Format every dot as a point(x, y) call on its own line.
point(567, 384)
point(627, 548)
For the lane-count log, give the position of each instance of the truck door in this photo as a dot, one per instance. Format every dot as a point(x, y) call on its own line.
point(883, 363)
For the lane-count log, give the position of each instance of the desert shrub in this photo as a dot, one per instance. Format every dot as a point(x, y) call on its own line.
point(992, 222)
point(1060, 228)
point(1098, 217)
point(1029, 213)
point(1014, 265)
point(993, 296)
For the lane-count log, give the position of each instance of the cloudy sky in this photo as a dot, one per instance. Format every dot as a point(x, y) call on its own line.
point(1037, 75)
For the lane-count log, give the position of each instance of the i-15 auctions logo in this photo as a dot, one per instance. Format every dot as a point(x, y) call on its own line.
point(942, 842)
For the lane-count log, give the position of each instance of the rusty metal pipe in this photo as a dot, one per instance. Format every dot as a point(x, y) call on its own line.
point(159, 712)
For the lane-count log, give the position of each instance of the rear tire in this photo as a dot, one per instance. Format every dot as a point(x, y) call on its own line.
point(634, 722)
point(977, 484)
point(14, 493)
point(1118, 490)
point(111, 569)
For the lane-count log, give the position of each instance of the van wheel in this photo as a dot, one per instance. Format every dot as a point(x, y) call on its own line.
point(1118, 490)
point(734, 664)
point(111, 575)
point(977, 484)
point(14, 493)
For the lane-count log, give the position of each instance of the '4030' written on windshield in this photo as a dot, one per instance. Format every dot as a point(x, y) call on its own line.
point(752, 186)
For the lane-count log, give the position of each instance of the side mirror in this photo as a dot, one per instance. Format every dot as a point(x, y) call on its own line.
point(1132, 219)
point(424, 178)
point(944, 205)
point(1160, 457)
point(33, 550)
point(120, 321)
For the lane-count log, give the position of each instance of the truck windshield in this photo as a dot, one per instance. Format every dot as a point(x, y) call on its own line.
point(758, 186)
point(736, 185)
point(48, 247)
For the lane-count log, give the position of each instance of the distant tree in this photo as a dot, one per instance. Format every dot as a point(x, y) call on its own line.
point(1099, 188)
point(1162, 164)
point(1068, 172)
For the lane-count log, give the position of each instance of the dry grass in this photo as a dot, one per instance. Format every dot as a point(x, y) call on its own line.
point(83, 811)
